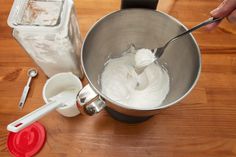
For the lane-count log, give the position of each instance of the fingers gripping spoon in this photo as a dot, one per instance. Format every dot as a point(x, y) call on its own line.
point(31, 73)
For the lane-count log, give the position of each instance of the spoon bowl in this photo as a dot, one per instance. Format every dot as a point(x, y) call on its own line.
point(32, 72)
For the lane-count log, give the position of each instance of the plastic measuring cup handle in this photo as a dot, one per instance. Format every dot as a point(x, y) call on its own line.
point(30, 118)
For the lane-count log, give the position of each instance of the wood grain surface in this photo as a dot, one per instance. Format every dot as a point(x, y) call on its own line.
point(202, 125)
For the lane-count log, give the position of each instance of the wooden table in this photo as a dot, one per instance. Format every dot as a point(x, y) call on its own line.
point(203, 124)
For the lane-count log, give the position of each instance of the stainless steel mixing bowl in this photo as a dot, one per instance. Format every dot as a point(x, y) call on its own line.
point(144, 28)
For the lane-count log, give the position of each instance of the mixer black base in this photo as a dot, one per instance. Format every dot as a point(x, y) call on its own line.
point(149, 4)
point(125, 118)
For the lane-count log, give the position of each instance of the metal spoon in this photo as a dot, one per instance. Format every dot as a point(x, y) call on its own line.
point(31, 73)
point(159, 51)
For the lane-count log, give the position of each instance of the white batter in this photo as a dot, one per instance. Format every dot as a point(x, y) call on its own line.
point(143, 58)
point(121, 83)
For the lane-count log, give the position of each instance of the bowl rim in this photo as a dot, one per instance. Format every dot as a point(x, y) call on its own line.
point(133, 108)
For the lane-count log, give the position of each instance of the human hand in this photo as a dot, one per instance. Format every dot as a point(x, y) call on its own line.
point(226, 9)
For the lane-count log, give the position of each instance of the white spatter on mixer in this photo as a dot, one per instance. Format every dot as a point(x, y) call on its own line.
point(121, 83)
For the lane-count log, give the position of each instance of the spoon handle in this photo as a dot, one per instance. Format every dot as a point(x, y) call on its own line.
point(159, 51)
point(25, 93)
point(204, 23)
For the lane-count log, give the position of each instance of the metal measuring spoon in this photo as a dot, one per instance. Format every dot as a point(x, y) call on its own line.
point(31, 73)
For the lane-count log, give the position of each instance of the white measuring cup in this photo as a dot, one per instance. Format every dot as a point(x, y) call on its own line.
point(59, 83)
point(59, 93)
